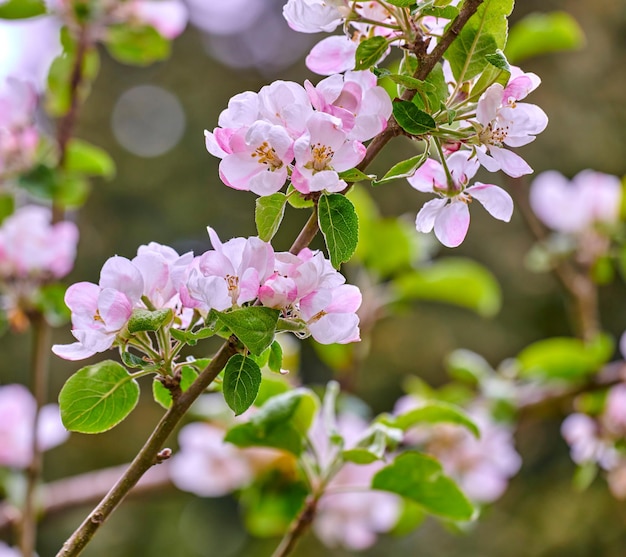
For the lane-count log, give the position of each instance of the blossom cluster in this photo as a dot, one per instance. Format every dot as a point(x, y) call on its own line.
point(306, 289)
point(306, 134)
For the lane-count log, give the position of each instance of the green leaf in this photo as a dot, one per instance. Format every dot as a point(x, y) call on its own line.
point(190, 337)
point(22, 9)
point(370, 51)
point(420, 478)
point(7, 205)
point(455, 280)
point(147, 320)
point(84, 158)
point(411, 119)
point(339, 225)
point(268, 214)
point(466, 365)
point(275, 360)
point(355, 175)
point(242, 378)
point(445, 12)
point(163, 395)
point(435, 412)
point(564, 358)
point(138, 46)
point(409, 82)
point(403, 169)
point(254, 326)
point(282, 422)
point(297, 200)
point(484, 33)
point(402, 3)
point(359, 455)
point(47, 183)
point(97, 397)
point(50, 300)
point(542, 33)
point(498, 60)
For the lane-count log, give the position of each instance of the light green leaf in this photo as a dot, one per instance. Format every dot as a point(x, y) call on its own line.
point(456, 281)
point(147, 320)
point(402, 3)
point(296, 199)
point(97, 397)
point(355, 175)
point(138, 46)
point(339, 225)
point(268, 214)
point(242, 378)
point(370, 51)
point(411, 119)
point(409, 82)
point(564, 358)
point(275, 360)
point(22, 9)
point(484, 33)
point(420, 478)
point(445, 12)
point(403, 169)
point(84, 158)
point(542, 33)
point(254, 326)
point(434, 412)
point(466, 365)
point(163, 395)
point(7, 205)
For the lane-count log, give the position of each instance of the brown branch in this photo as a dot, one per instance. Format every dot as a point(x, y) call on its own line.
point(298, 528)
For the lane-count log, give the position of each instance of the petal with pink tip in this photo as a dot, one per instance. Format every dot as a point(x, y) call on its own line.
point(452, 223)
point(493, 198)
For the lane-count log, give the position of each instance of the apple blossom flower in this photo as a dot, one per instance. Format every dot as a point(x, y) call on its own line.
point(17, 415)
point(321, 153)
point(313, 16)
point(8, 551)
point(572, 207)
point(449, 214)
point(332, 55)
point(504, 121)
point(362, 106)
point(168, 17)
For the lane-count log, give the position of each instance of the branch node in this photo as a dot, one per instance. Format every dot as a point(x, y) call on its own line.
point(97, 517)
point(163, 455)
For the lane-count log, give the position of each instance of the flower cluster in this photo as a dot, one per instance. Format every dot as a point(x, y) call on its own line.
point(307, 134)
point(17, 417)
point(306, 289)
point(483, 466)
point(18, 134)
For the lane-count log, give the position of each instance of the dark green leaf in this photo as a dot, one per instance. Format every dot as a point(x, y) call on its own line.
point(339, 225)
point(370, 51)
point(457, 281)
point(84, 158)
point(434, 412)
point(242, 378)
point(97, 397)
point(420, 478)
point(138, 46)
point(7, 205)
point(147, 320)
point(409, 82)
point(411, 119)
point(254, 326)
point(542, 33)
point(403, 169)
point(268, 214)
point(355, 175)
point(498, 60)
point(22, 9)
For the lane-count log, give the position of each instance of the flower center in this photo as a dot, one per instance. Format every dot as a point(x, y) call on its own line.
point(494, 134)
point(267, 156)
point(322, 156)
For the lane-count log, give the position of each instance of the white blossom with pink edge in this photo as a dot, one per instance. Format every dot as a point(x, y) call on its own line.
point(332, 55)
point(572, 207)
point(482, 467)
point(168, 17)
point(503, 120)
point(350, 513)
point(313, 16)
point(449, 215)
point(17, 416)
point(32, 247)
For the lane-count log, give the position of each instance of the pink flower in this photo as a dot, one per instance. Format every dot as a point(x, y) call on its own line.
point(313, 16)
point(168, 17)
point(17, 415)
point(505, 121)
point(323, 151)
point(449, 215)
point(100, 311)
point(32, 247)
point(582, 434)
point(332, 55)
point(574, 206)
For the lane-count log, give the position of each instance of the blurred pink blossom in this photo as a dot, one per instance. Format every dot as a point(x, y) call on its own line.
point(17, 414)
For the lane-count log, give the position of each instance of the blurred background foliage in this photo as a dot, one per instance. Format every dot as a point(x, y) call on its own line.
point(167, 190)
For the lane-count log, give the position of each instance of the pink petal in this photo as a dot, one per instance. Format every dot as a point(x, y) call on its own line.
point(493, 198)
point(425, 220)
point(452, 223)
point(332, 55)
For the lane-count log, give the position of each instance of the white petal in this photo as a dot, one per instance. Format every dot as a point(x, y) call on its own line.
point(493, 198)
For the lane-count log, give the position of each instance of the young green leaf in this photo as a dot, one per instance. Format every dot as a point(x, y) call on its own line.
point(84, 158)
point(147, 320)
point(370, 51)
point(242, 378)
point(420, 478)
point(402, 3)
point(268, 214)
point(275, 360)
point(355, 175)
point(137, 45)
point(254, 326)
point(339, 225)
point(434, 412)
point(403, 169)
point(22, 9)
point(97, 397)
point(411, 119)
